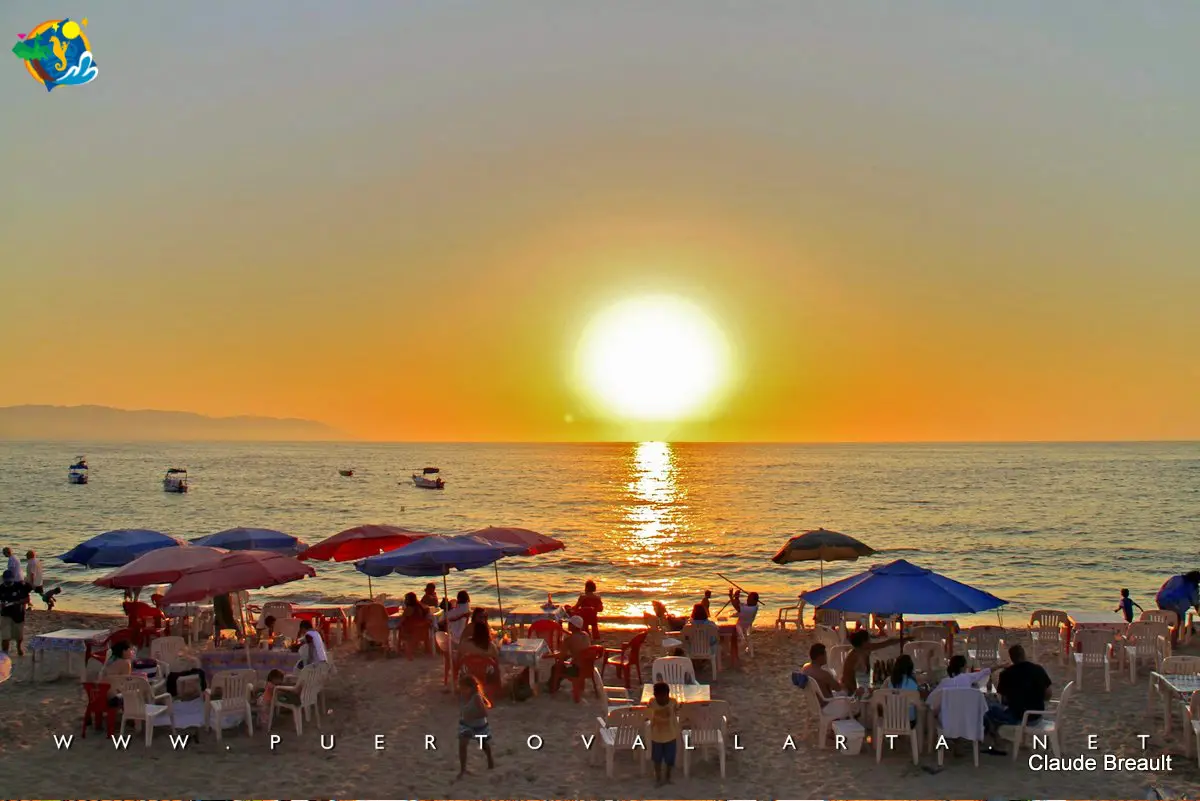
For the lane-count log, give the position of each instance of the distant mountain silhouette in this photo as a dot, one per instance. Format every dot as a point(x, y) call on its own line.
point(108, 424)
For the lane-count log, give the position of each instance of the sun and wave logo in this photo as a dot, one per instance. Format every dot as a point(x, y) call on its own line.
point(57, 53)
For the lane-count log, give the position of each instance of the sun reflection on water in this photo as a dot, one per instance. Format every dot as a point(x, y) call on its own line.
point(652, 518)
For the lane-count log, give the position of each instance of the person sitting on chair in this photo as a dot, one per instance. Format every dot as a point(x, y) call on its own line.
point(573, 645)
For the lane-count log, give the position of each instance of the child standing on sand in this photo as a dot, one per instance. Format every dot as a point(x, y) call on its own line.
point(663, 713)
point(1126, 605)
point(473, 722)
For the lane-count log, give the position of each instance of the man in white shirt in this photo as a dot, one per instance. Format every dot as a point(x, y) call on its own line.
point(312, 648)
point(457, 617)
point(14, 565)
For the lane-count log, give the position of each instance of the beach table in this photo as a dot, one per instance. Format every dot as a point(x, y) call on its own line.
point(1178, 689)
point(264, 661)
point(526, 653)
point(521, 618)
point(179, 614)
point(326, 614)
point(68, 641)
point(683, 693)
point(1102, 621)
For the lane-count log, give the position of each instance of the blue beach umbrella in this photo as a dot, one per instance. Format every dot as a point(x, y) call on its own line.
point(252, 539)
point(900, 588)
point(118, 548)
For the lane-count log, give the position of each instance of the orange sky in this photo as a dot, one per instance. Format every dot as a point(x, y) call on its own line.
point(942, 228)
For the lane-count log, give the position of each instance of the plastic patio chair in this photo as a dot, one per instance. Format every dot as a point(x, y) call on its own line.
point(1048, 724)
point(230, 692)
point(628, 658)
point(704, 725)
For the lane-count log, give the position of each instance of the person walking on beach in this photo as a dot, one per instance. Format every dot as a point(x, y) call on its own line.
point(33, 576)
point(473, 722)
point(1180, 594)
point(14, 596)
point(14, 564)
point(1125, 606)
point(663, 714)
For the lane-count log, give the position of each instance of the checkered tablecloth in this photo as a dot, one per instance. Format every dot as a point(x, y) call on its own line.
point(260, 660)
point(76, 640)
point(525, 652)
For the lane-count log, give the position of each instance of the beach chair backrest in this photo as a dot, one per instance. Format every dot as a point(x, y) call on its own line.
point(233, 684)
point(548, 630)
point(837, 657)
point(961, 703)
point(830, 618)
point(892, 708)
point(135, 694)
point(308, 682)
point(926, 656)
point(937, 634)
point(287, 627)
point(1053, 619)
point(985, 641)
point(1168, 616)
point(277, 609)
point(1144, 637)
point(628, 723)
point(697, 640)
point(673, 670)
point(1181, 666)
point(1094, 645)
point(812, 694)
point(827, 637)
point(167, 650)
point(704, 717)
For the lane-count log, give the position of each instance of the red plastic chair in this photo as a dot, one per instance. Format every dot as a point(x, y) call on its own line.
point(548, 630)
point(626, 658)
point(414, 636)
point(99, 652)
point(98, 708)
point(484, 668)
point(586, 664)
point(145, 622)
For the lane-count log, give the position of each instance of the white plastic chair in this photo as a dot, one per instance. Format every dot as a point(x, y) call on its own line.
point(1046, 631)
point(948, 704)
point(827, 637)
point(140, 704)
point(614, 697)
point(837, 657)
point(699, 645)
point(704, 726)
point(673, 670)
point(791, 616)
point(892, 717)
point(1143, 643)
point(306, 693)
point(829, 618)
point(280, 610)
point(233, 689)
point(1049, 723)
point(167, 650)
point(984, 644)
point(287, 627)
point(928, 657)
point(1191, 727)
point(1172, 666)
point(818, 704)
point(626, 729)
point(1095, 651)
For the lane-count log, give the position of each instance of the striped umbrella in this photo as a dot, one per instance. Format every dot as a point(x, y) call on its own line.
point(821, 546)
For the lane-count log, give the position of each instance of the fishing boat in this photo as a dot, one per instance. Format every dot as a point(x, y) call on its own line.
point(348, 472)
point(78, 472)
point(175, 480)
point(428, 478)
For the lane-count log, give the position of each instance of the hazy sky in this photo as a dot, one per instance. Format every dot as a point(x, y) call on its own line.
point(912, 220)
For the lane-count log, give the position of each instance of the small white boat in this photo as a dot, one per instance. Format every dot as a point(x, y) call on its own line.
point(176, 480)
point(78, 472)
point(428, 479)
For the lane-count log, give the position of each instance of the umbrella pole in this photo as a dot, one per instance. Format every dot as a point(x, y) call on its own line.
point(370, 589)
point(449, 634)
point(821, 563)
point(499, 602)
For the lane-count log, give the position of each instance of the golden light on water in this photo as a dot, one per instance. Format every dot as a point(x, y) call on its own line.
point(651, 514)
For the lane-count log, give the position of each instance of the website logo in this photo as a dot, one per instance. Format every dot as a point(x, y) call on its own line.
point(57, 53)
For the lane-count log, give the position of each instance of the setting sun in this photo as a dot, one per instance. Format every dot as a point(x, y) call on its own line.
point(653, 358)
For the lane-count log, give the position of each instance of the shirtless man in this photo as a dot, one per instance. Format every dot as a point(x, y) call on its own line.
point(860, 658)
point(837, 703)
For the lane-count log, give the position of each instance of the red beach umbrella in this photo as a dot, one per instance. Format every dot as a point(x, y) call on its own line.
point(360, 542)
point(533, 542)
point(164, 566)
point(235, 571)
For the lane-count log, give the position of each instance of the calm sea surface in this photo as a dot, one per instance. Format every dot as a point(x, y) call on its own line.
point(1041, 525)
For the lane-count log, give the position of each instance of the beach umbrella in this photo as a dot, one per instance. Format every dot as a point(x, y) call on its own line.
point(164, 566)
point(252, 539)
point(117, 548)
point(821, 546)
point(361, 542)
point(900, 588)
point(530, 542)
point(236, 571)
point(436, 556)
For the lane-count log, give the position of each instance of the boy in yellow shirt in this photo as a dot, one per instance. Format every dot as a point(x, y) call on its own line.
point(663, 714)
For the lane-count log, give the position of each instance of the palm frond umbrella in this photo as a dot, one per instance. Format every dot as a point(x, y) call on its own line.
point(822, 546)
point(529, 542)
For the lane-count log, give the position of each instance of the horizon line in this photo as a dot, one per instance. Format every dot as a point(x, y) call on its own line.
point(8, 440)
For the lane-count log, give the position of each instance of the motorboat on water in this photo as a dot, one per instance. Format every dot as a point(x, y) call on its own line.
point(347, 472)
point(176, 480)
point(428, 478)
point(78, 472)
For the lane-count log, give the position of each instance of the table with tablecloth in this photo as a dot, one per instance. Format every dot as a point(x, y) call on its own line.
point(69, 642)
point(1175, 689)
point(527, 653)
point(322, 616)
point(262, 660)
point(1092, 621)
point(682, 693)
point(523, 617)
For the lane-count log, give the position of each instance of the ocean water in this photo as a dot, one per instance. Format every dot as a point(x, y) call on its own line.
point(1058, 525)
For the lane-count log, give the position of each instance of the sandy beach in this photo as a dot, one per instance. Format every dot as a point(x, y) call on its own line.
point(404, 701)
